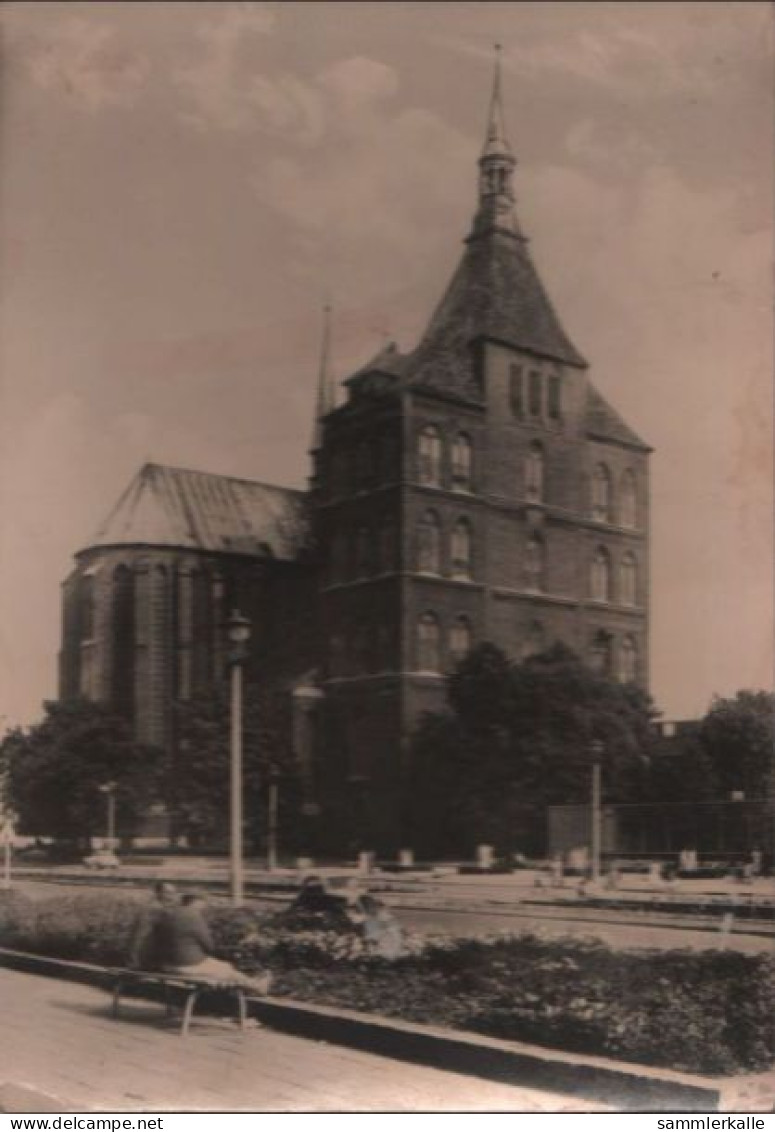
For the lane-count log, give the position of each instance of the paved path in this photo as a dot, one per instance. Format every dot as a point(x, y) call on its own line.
point(58, 1040)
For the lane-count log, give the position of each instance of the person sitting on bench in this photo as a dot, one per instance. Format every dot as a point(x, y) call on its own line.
point(182, 944)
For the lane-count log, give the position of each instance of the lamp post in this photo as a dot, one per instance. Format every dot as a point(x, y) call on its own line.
point(596, 750)
point(109, 790)
point(239, 636)
point(271, 828)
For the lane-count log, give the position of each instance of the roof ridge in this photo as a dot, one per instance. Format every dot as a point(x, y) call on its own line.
point(154, 464)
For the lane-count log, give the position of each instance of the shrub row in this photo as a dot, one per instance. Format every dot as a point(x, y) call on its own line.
point(707, 1012)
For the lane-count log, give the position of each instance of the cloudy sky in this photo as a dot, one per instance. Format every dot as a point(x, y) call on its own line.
point(184, 185)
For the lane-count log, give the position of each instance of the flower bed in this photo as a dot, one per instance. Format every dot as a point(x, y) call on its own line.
point(706, 1012)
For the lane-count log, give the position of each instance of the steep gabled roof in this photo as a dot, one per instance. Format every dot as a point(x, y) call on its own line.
point(175, 507)
point(495, 293)
point(604, 423)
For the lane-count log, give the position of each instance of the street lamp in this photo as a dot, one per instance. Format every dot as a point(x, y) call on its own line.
point(109, 790)
point(596, 750)
point(239, 635)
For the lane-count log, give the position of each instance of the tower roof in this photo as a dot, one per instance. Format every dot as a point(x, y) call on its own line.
point(496, 291)
point(174, 507)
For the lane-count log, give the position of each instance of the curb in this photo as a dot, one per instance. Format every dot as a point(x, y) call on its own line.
point(634, 1088)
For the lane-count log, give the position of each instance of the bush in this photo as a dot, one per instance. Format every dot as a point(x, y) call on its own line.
point(706, 1012)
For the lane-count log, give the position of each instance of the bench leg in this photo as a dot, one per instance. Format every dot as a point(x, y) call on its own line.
point(116, 996)
point(188, 1012)
point(242, 1006)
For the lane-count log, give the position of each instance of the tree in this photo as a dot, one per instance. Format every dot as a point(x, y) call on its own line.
point(197, 782)
point(738, 737)
point(518, 738)
point(55, 768)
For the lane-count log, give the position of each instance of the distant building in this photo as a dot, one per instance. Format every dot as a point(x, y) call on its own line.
point(478, 487)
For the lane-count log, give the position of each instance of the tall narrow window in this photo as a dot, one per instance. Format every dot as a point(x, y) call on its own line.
point(429, 456)
point(601, 494)
point(534, 563)
point(553, 404)
point(534, 473)
point(600, 575)
point(428, 652)
point(338, 572)
point(461, 462)
point(362, 551)
point(461, 549)
point(628, 661)
point(364, 464)
point(628, 580)
point(337, 654)
point(628, 501)
point(534, 393)
point(389, 458)
point(388, 545)
point(429, 544)
point(460, 639)
point(600, 653)
point(517, 390)
point(87, 605)
point(123, 641)
point(535, 640)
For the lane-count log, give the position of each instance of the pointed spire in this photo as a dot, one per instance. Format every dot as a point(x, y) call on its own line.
point(326, 396)
point(496, 169)
point(496, 144)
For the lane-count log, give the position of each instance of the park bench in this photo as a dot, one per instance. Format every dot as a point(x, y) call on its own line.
point(176, 989)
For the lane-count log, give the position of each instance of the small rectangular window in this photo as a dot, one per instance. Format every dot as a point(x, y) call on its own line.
point(553, 398)
point(535, 393)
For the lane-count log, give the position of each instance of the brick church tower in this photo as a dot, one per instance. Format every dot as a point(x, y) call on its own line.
point(476, 489)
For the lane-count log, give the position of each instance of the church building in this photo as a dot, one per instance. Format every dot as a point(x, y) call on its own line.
point(475, 488)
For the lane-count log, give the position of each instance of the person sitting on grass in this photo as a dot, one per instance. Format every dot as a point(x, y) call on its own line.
point(183, 945)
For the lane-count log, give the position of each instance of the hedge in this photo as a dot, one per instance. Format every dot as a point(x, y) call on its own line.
point(705, 1012)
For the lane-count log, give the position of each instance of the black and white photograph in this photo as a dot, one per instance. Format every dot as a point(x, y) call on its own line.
point(387, 720)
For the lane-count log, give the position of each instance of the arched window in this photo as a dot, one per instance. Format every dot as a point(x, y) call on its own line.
point(460, 639)
point(535, 640)
point(601, 494)
point(362, 551)
point(461, 549)
point(461, 462)
point(600, 653)
point(364, 464)
point(385, 639)
point(428, 653)
point(429, 456)
point(337, 654)
point(517, 390)
point(389, 458)
point(600, 575)
point(628, 661)
point(339, 556)
point(534, 472)
point(535, 557)
point(628, 501)
point(429, 544)
point(388, 545)
point(628, 580)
